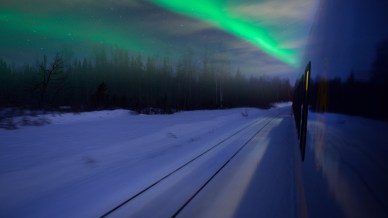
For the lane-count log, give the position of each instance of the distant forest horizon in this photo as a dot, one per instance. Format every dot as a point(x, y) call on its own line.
point(113, 78)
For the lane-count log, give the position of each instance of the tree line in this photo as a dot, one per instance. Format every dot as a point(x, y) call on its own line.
point(116, 79)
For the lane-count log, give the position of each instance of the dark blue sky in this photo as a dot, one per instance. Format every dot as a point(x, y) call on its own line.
point(46, 27)
point(337, 36)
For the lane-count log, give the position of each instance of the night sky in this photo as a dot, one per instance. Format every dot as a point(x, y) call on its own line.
point(258, 37)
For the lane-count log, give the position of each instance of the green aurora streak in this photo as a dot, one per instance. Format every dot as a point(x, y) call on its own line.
point(85, 30)
point(213, 12)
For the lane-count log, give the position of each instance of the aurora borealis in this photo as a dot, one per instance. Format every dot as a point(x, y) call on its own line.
point(254, 40)
point(209, 11)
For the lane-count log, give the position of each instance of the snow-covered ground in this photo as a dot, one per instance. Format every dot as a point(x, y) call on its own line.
point(85, 164)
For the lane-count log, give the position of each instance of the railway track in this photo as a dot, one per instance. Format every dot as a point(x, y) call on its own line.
point(248, 133)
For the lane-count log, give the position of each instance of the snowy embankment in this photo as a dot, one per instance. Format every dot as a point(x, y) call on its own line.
point(72, 165)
